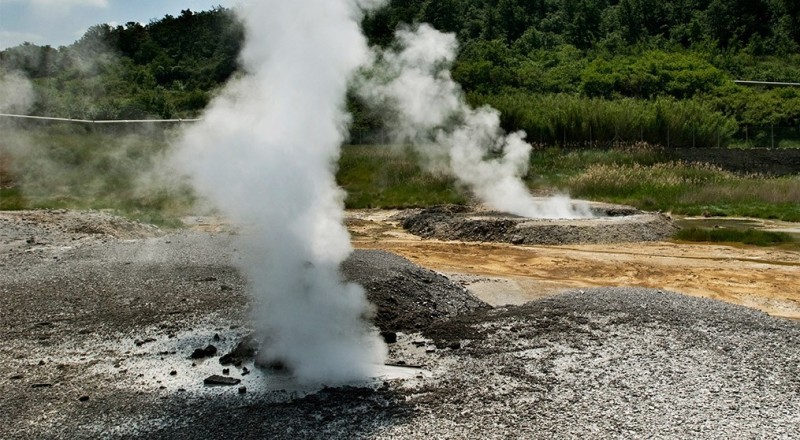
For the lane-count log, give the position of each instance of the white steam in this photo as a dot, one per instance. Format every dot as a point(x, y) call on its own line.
point(430, 113)
point(266, 154)
point(16, 93)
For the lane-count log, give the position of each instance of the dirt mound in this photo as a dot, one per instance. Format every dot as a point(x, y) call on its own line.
point(61, 227)
point(407, 297)
point(614, 225)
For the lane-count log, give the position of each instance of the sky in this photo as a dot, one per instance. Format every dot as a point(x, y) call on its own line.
point(62, 22)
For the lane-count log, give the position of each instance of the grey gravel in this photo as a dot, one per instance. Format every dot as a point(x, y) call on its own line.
point(604, 363)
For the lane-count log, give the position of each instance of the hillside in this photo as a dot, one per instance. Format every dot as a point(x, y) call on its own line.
point(568, 72)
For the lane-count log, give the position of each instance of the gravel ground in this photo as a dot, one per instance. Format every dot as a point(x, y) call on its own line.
point(94, 328)
point(618, 224)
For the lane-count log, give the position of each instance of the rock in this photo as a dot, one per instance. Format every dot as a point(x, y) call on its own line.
point(389, 337)
point(83, 398)
point(242, 390)
point(244, 350)
point(200, 353)
point(41, 385)
point(245, 371)
point(221, 380)
point(173, 373)
point(226, 371)
point(141, 342)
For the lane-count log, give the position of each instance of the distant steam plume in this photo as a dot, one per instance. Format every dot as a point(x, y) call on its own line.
point(430, 113)
point(266, 155)
point(16, 93)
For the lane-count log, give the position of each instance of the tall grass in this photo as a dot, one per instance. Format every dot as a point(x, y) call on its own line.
point(390, 177)
point(694, 189)
point(576, 121)
point(74, 167)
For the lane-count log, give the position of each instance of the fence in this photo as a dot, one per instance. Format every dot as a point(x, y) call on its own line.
point(586, 136)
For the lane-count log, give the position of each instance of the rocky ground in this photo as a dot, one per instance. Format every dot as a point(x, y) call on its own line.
point(99, 329)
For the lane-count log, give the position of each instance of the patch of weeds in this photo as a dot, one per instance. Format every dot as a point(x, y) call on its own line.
point(755, 237)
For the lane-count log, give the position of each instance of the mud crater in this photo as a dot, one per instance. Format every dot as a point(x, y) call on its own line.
point(612, 224)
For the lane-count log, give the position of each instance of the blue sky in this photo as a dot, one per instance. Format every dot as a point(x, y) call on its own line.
point(62, 22)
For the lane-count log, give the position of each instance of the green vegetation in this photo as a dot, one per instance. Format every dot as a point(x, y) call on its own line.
point(729, 235)
point(390, 177)
point(73, 167)
point(646, 181)
point(590, 73)
point(377, 176)
point(594, 83)
point(166, 69)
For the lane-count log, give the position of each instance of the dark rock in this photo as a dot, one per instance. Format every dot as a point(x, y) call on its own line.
point(141, 342)
point(173, 373)
point(245, 371)
point(216, 337)
point(41, 385)
point(221, 380)
point(226, 371)
point(389, 337)
point(83, 398)
point(242, 390)
point(225, 288)
point(200, 353)
point(207, 279)
point(244, 350)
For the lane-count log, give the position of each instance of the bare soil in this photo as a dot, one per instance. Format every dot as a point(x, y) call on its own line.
point(767, 279)
point(99, 324)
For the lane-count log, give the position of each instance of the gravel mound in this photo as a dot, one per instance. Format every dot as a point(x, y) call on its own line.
point(616, 363)
point(618, 225)
point(22, 230)
point(407, 297)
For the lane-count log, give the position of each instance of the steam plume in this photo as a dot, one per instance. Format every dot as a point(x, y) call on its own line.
point(16, 93)
point(431, 113)
point(266, 155)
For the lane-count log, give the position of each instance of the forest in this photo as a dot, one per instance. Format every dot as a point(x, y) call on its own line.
point(568, 72)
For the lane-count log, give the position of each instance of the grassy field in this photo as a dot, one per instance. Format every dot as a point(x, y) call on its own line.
point(71, 167)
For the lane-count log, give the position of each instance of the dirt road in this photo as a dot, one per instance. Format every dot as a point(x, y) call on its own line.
point(767, 279)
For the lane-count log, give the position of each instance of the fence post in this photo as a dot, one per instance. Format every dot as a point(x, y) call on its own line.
point(772, 135)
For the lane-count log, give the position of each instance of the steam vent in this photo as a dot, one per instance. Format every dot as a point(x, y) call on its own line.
point(611, 224)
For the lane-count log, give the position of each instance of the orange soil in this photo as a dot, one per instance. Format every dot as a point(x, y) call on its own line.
point(763, 278)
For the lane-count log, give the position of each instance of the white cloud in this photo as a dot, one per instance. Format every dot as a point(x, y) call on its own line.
point(11, 38)
point(70, 3)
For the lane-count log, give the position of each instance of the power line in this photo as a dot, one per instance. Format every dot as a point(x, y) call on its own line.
point(766, 83)
point(87, 121)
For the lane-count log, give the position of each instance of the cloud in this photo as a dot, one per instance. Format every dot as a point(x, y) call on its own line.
point(12, 38)
point(61, 4)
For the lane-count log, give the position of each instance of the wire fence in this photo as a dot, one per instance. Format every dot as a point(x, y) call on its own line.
point(585, 136)
point(589, 137)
